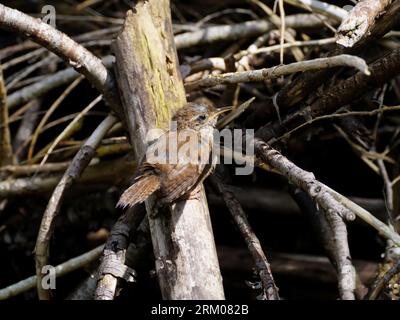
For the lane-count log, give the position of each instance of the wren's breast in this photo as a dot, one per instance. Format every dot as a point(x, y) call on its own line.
point(193, 161)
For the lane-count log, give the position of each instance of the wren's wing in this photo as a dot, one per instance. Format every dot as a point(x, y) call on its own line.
point(143, 187)
point(180, 180)
point(192, 167)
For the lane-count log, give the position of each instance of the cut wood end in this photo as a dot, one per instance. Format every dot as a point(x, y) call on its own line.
point(352, 31)
point(345, 41)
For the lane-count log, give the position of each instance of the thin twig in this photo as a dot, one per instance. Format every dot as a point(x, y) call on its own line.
point(336, 96)
point(383, 229)
point(60, 270)
point(8, 51)
point(65, 132)
point(49, 112)
point(342, 115)
point(21, 170)
point(103, 173)
point(283, 26)
point(275, 72)
point(62, 45)
point(78, 164)
point(30, 114)
point(318, 42)
point(47, 84)
point(6, 152)
point(324, 8)
point(38, 89)
point(234, 114)
point(25, 57)
point(297, 53)
point(344, 203)
point(31, 68)
point(242, 30)
point(253, 244)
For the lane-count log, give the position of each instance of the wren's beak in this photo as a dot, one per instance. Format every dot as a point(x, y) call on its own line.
point(216, 113)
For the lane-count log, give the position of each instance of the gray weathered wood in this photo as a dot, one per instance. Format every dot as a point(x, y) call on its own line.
point(151, 90)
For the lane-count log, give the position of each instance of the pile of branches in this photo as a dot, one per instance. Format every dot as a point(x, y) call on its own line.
point(77, 99)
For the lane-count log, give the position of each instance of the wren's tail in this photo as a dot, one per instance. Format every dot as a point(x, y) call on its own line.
point(143, 187)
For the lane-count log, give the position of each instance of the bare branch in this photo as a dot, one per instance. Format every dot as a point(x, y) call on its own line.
point(243, 30)
point(305, 84)
point(340, 200)
point(325, 230)
point(344, 92)
point(282, 70)
point(334, 210)
point(260, 260)
point(113, 266)
point(62, 269)
point(49, 112)
point(62, 45)
point(50, 82)
point(383, 229)
point(106, 172)
point(359, 21)
point(18, 170)
point(78, 164)
point(324, 8)
point(40, 88)
point(345, 268)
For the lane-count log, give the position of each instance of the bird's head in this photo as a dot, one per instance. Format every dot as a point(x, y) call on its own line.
point(197, 116)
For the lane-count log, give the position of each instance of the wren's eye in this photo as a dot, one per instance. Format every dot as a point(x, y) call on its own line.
point(201, 118)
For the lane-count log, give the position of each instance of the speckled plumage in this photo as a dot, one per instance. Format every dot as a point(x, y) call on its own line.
point(171, 181)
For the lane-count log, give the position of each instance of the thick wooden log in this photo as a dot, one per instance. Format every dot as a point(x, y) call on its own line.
point(151, 90)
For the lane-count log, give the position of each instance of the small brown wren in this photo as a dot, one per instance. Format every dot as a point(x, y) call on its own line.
point(173, 174)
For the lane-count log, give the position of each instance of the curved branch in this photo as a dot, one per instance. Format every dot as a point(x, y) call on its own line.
point(78, 164)
point(58, 42)
point(336, 213)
